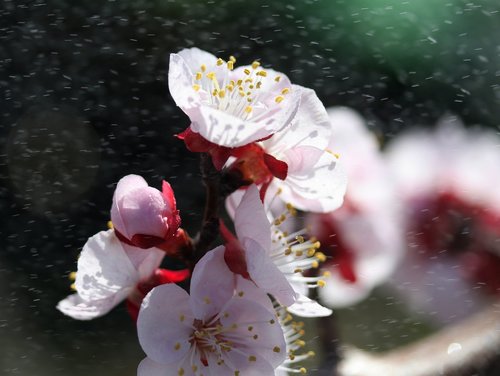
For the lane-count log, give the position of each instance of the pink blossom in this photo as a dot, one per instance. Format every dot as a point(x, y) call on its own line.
point(230, 107)
point(142, 215)
point(225, 327)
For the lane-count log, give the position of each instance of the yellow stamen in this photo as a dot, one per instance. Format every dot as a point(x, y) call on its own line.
point(279, 99)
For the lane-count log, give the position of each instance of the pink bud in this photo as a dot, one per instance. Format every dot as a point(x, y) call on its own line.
point(141, 215)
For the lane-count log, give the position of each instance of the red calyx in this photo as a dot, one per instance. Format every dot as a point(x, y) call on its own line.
point(234, 254)
point(160, 277)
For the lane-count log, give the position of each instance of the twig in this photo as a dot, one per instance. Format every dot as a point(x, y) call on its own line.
point(209, 226)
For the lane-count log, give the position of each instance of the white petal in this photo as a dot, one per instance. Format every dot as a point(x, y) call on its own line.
point(194, 58)
point(165, 323)
point(310, 127)
point(74, 306)
point(145, 261)
point(305, 307)
point(250, 220)
point(266, 274)
point(320, 189)
point(212, 284)
point(104, 268)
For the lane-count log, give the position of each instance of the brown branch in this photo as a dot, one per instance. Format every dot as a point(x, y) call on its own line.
point(457, 350)
point(209, 227)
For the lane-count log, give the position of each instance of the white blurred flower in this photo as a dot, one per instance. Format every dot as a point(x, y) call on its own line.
point(363, 239)
point(448, 179)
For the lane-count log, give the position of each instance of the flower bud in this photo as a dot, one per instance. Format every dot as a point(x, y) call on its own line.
point(143, 216)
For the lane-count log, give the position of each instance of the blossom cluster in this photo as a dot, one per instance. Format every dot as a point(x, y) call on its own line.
point(280, 162)
point(273, 141)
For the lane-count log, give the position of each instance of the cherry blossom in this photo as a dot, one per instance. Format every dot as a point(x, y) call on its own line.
point(109, 272)
point(448, 181)
point(143, 216)
point(220, 329)
point(227, 106)
point(363, 239)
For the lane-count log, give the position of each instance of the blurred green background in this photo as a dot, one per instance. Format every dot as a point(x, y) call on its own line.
point(84, 101)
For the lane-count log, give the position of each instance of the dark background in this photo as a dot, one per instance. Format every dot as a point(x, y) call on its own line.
point(84, 100)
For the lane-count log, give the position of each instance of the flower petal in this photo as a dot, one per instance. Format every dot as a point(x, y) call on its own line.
point(164, 324)
point(149, 367)
point(250, 220)
point(77, 308)
point(212, 284)
point(266, 274)
point(125, 185)
point(144, 261)
point(320, 189)
point(310, 127)
point(305, 307)
point(257, 331)
point(104, 268)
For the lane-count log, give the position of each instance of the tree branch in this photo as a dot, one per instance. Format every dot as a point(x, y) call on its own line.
point(459, 349)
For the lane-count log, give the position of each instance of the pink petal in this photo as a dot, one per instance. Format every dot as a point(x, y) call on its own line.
point(250, 220)
point(266, 274)
point(257, 333)
point(124, 186)
point(143, 211)
point(149, 367)
point(164, 324)
point(212, 284)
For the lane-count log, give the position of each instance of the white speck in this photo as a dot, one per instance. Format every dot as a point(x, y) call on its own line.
point(454, 347)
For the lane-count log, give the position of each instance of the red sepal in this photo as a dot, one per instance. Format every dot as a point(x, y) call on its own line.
point(234, 254)
point(160, 277)
point(278, 168)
